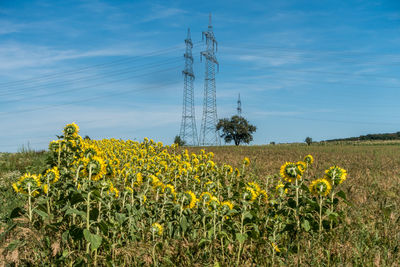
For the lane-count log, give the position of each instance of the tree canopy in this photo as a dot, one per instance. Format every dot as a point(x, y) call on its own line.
point(237, 129)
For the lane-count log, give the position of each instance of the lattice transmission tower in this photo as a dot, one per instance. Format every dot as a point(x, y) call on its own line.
point(188, 132)
point(208, 132)
point(239, 107)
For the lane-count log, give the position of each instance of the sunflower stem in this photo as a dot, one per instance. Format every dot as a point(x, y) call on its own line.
point(320, 216)
point(29, 202)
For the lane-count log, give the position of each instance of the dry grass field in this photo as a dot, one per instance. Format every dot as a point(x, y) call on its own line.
point(371, 233)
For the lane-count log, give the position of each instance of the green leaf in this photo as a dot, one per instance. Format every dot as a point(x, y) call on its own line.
point(184, 223)
point(248, 215)
point(17, 212)
point(13, 245)
point(292, 203)
point(76, 232)
point(121, 218)
point(103, 227)
point(223, 233)
point(64, 236)
point(306, 225)
point(341, 194)
point(305, 188)
point(333, 216)
point(241, 237)
point(77, 212)
point(43, 214)
point(94, 214)
point(3, 234)
point(203, 241)
point(93, 239)
point(96, 194)
point(76, 198)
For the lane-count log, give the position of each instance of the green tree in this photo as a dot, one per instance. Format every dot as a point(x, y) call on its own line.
point(237, 129)
point(178, 140)
point(308, 140)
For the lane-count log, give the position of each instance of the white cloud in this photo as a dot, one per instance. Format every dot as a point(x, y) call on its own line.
point(162, 12)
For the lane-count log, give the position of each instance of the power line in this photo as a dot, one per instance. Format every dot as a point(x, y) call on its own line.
point(86, 87)
point(92, 77)
point(328, 82)
point(115, 62)
point(332, 73)
point(80, 101)
point(322, 52)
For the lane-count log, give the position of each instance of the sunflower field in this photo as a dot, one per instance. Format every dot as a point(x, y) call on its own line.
point(114, 202)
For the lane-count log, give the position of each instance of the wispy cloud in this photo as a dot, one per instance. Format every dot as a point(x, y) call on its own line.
point(162, 12)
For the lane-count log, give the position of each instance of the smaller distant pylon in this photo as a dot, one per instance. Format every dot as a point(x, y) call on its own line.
point(239, 107)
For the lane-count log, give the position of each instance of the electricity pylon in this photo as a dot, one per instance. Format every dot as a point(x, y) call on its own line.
point(188, 132)
point(208, 133)
point(239, 107)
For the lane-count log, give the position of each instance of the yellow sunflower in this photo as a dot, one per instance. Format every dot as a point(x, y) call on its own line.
point(309, 159)
point(71, 130)
point(52, 175)
point(28, 182)
point(190, 200)
point(291, 171)
point(97, 167)
point(157, 228)
point(320, 187)
point(335, 175)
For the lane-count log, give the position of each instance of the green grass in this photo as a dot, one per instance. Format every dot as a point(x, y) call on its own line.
point(12, 166)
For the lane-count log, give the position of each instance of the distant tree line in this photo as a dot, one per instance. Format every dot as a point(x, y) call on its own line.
point(368, 137)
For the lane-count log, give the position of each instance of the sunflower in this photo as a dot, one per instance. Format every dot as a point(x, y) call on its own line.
point(309, 159)
point(246, 161)
point(112, 190)
point(320, 187)
point(250, 194)
point(157, 228)
point(209, 183)
point(302, 166)
point(335, 175)
point(205, 197)
point(169, 189)
point(191, 199)
point(90, 151)
point(213, 203)
point(276, 248)
point(228, 168)
point(210, 164)
point(97, 166)
point(28, 182)
point(227, 204)
point(290, 171)
point(255, 186)
point(52, 175)
point(139, 178)
point(54, 145)
point(45, 188)
point(129, 189)
point(264, 195)
point(281, 188)
point(71, 130)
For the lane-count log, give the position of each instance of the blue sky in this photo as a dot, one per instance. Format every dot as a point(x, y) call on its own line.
point(324, 69)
